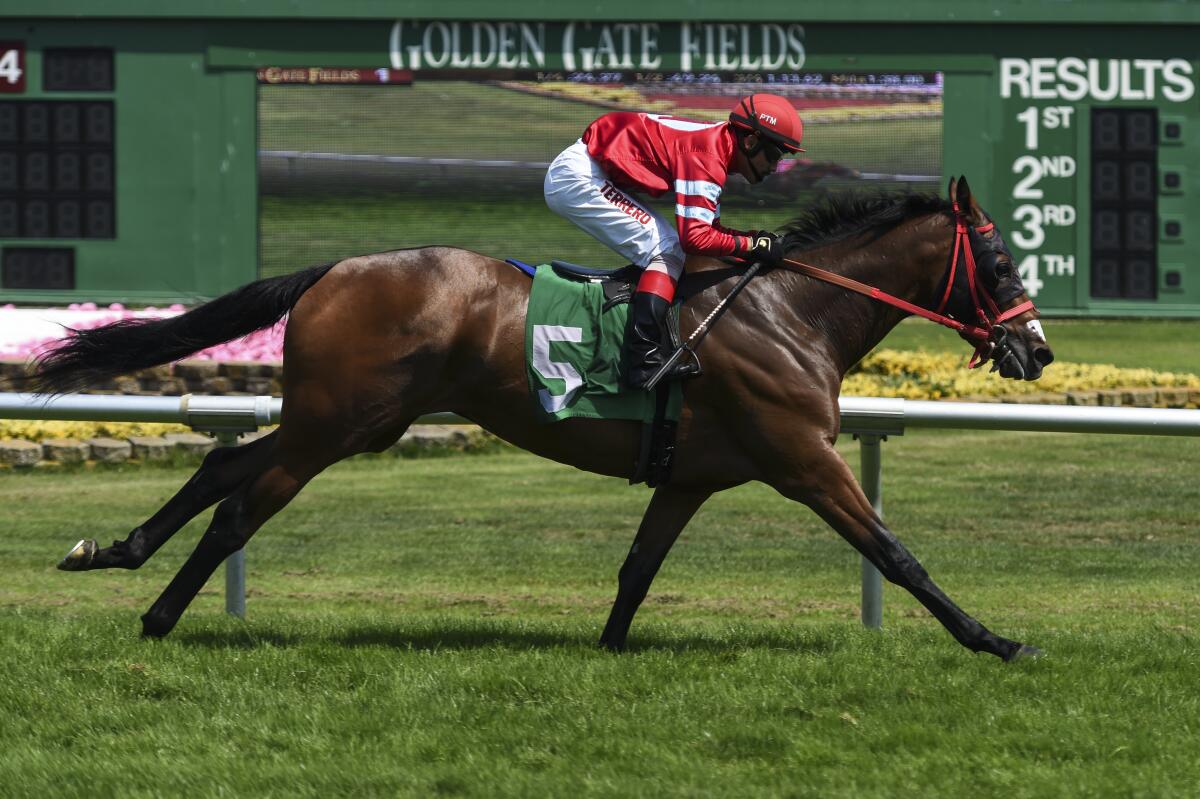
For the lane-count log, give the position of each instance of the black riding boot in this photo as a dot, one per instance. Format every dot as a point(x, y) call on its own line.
point(649, 344)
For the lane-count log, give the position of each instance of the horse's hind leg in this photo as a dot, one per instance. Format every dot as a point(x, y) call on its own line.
point(235, 521)
point(222, 471)
point(669, 512)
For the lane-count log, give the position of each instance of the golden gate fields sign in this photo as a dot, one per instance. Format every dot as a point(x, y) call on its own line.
point(596, 46)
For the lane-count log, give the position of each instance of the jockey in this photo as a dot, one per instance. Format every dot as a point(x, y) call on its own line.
point(590, 183)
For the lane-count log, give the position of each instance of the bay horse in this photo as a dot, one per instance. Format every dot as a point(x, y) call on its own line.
point(374, 342)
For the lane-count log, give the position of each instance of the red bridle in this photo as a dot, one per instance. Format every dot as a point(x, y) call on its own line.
point(988, 317)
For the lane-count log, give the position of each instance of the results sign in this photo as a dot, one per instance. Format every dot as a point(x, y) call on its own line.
point(1047, 127)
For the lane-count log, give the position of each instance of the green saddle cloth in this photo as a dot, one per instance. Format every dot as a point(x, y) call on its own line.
point(574, 355)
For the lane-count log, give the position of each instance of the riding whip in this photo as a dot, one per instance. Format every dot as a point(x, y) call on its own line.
point(701, 331)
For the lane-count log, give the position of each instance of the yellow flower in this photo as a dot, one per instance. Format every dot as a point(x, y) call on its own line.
point(34, 430)
point(926, 375)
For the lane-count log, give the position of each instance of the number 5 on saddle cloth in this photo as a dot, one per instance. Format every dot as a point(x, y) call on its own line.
point(574, 332)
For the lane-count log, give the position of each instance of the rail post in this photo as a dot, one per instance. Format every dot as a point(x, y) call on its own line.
point(225, 418)
point(235, 564)
point(872, 484)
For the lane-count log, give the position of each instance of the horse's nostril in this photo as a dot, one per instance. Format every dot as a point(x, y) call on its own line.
point(1043, 355)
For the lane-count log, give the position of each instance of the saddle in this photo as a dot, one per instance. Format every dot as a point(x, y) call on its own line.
point(618, 284)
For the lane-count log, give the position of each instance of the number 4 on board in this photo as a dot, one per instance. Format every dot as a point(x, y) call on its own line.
point(12, 67)
point(1028, 271)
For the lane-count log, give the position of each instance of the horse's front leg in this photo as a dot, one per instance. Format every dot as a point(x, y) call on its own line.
point(669, 512)
point(827, 485)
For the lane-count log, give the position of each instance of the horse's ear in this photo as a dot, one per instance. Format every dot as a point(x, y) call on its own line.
point(962, 194)
point(952, 187)
point(967, 204)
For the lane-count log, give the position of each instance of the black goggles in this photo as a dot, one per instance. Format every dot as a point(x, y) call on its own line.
point(771, 150)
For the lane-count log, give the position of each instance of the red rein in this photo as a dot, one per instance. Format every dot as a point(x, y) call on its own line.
point(979, 335)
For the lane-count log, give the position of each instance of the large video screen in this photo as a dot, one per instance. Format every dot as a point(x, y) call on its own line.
point(382, 164)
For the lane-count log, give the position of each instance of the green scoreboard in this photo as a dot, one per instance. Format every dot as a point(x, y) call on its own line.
point(1098, 183)
point(127, 168)
point(57, 168)
point(129, 150)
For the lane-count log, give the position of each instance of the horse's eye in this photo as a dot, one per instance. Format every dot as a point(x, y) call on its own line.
point(1003, 271)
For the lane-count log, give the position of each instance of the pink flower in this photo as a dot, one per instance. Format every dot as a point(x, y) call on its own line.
point(264, 346)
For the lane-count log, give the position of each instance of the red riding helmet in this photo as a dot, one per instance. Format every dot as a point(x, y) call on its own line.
point(772, 117)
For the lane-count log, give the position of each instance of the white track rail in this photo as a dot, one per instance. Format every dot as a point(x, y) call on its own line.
point(870, 419)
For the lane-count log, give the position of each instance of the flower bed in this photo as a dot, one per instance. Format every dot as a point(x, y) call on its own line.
point(39, 431)
point(925, 375)
point(263, 345)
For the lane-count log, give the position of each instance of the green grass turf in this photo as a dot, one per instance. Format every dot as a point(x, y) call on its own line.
point(458, 119)
point(490, 215)
point(301, 231)
point(426, 627)
point(452, 119)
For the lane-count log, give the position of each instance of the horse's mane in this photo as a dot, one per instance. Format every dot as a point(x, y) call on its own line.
point(844, 214)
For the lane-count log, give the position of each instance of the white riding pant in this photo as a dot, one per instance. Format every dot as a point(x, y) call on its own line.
point(577, 189)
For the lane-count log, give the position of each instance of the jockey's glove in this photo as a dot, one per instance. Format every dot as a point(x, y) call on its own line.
point(765, 247)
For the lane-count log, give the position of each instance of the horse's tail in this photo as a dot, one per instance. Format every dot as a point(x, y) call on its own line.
point(88, 357)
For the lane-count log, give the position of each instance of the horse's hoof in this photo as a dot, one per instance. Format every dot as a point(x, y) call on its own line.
point(80, 558)
point(1026, 652)
point(155, 626)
